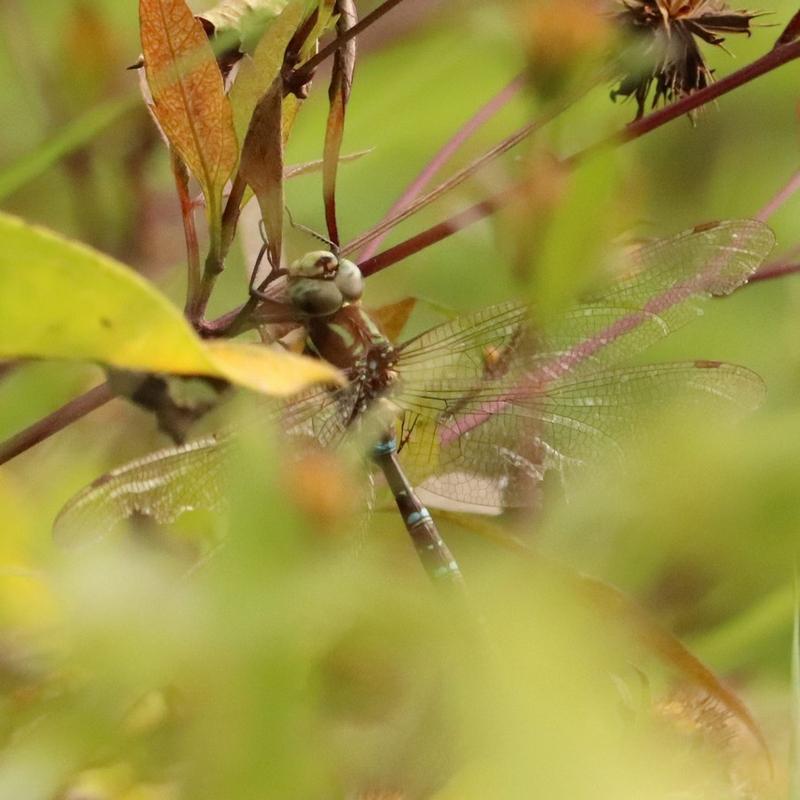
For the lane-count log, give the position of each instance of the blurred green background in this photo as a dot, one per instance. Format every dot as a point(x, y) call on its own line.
point(294, 669)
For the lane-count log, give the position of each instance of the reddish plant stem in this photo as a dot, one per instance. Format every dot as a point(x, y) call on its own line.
point(215, 262)
point(634, 130)
point(455, 179)
point(775, 270)
point(771, 60)
point(53, 423)
point(439, 231)
point(790, 32)
point(193, 276)
point(783, 194)
point(479, 118)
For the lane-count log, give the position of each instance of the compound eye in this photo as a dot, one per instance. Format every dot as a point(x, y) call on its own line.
point(315, 298)
point(349, 280)
point(316, 264)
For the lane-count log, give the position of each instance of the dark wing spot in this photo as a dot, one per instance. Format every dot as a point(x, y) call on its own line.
point(705, 226)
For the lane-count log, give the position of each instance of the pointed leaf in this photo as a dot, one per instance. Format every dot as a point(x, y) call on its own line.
point(344, 63)
point(189, 100)
point(262, 164)
point(60, 299)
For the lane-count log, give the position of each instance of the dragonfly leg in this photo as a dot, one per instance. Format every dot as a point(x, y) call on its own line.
point(274, 273)
point(434, 554)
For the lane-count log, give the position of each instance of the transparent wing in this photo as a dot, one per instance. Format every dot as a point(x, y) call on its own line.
point(663, 289)
point(499, 460)
point(165, 484)
point(162, 485)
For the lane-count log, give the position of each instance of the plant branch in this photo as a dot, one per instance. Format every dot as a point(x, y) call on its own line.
point(55, 422)
point(304, 73)
point(772, 60)
point(479, 118)
point(218, 249)
point(193, 277)
point(781, 196)
point(456, 179)
point(439, 231)
point(775, 270)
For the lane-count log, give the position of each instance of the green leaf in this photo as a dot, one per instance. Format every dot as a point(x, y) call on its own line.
point(60, 299)
point(257, 74)
point(241, 23)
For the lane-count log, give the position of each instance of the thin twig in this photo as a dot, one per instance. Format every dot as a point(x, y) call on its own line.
point(53, 423)
point(304, 73)
point(783, 194)
point(193, 276)
point(456, 179)
point(790, 32)
point(632, 131)
point(439, 231)
point(479, 118)
point(770, 271)
point(768, 62)
point(218, 251)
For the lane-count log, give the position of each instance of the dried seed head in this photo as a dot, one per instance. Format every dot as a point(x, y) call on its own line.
point(665, 49)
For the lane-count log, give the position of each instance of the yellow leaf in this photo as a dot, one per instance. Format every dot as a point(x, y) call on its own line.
point(61, 299)
point(273, 372)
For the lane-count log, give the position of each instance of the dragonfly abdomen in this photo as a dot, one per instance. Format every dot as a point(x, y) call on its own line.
point(431, 549)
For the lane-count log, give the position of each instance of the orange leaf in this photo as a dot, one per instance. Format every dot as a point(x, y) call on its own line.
point(189, 100)
point(392, 319)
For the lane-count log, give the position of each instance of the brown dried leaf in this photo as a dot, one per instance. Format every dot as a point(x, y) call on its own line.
point(189, 100)
point(393, 318)
point(344, 63)
point(262, 164)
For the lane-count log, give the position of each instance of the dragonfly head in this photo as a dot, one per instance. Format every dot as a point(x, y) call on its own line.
point(320, 284)
point(318, 264)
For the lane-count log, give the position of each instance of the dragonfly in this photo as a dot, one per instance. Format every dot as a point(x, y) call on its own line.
point(478, 409)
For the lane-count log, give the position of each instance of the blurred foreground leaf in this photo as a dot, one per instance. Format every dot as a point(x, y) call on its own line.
point(60, 299)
